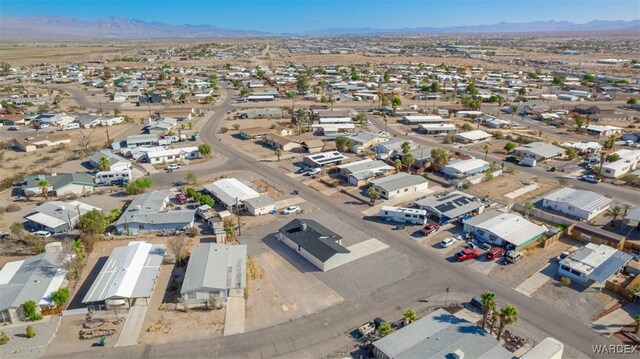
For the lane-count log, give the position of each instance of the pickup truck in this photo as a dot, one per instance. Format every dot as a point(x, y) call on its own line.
point(205, 212)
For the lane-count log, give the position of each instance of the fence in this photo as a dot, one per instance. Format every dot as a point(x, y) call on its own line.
point(547, 242)
point(54, 311)
point(542, 215)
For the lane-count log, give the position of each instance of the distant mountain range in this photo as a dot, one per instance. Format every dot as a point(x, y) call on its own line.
point(119, 28)
point(503, 27)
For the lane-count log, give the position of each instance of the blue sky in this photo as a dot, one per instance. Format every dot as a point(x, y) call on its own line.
point(306, 15)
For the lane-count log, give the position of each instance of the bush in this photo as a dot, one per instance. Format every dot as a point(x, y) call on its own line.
point(565, 281)
point(12, 208)
point(4, 338)
point(224, 129)
point(60, 296)
point(30, 332)
point(31, 310)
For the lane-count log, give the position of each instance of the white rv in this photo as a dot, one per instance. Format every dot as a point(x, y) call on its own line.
point(403, 215)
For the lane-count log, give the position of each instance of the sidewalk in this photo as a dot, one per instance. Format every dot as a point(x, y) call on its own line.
point(132, 326)
point(234, 319)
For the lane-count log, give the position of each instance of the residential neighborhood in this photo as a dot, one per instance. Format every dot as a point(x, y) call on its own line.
point(390, 195)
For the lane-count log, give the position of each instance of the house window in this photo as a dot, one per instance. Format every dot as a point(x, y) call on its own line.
point(406, 190)
point(480, 232)
point(191, 295)
point(571, 208)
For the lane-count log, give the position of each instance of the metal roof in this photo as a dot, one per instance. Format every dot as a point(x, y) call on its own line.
point(398, 181)
point(438, 335)
point(508, 226)
point(215, 266)
point(231, 190)
point(542, 149)
point(451, 205)
point(130, 272)
point(474, 135)
point(31, 279)
point(582, 199)
point(596, 262)
point(314, 238)
point(150, 208)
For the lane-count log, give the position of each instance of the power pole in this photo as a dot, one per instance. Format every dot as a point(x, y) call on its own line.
point(238, 216)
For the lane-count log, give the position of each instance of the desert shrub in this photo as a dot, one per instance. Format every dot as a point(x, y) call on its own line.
point(4, 338)
point(12, 208)
point(30, 332)
point(72, 197)
point(565, 281)
point(224, 129)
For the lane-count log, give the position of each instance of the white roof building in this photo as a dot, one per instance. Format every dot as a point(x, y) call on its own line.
point(473, 136)
point(593, 262)
point(465, 168)
point(628, 162)
point(501, 228)
point(231, 191)
point(576, 203)
point(129, 273)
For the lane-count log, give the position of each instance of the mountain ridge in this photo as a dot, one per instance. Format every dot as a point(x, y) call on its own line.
point(121, 28)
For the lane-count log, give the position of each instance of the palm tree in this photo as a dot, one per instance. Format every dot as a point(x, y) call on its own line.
point(398, 165)
point(44, 187)
point(409, 316)
point(278, 152)
point(528, 207)
point(508, 315)
point(614, 212)
point(104, 164)
point(486, 150)
point(488, 300)
point(231, 233)
point(625, 208)
point(406, 147)
point(373, 194)
point(494, 317)
point(384, 328)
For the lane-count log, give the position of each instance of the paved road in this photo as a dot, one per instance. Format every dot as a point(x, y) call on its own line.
point(318, 334)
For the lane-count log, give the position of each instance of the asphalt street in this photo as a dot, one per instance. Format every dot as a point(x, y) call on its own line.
point(318, 334)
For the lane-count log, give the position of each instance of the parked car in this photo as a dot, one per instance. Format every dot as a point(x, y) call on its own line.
point(485, 246)
point(303, 170)
point(429, 228)
point(590, 179)
point(43, 234)
point(495, 253)
point(28, 138)
point(291, 209)
point(384, 134)
point(314, 171)
point(562, 256)
point(448, 242)
point(467, 254)
point(181, 198)
point(512, 159)
point(512, 256)
point(172, 167)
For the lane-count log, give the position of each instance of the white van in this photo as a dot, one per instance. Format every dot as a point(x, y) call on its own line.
point(70, 126)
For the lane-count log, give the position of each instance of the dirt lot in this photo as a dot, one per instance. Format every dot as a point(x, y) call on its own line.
point(497, 188)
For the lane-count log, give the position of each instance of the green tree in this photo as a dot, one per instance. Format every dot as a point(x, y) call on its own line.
point(44, 188)
point(78, 248)
point(343, 143)
point(408, 159)
point(204, 149)
point(278, 152)
point(245, 91)
point(614, 212)
point(373, 194)
point(571, 153)
point(395, 103)
point(60, 296)
point(508, 315)
point(625, 209)
point(439, 158)
point(509, 146)
point(302, 85)
point(472, 89)
point(609, 143)
point(589, 78)
point(104, 164)
point(206, 199)
point(17, 229)
point(116, 111)
point(488, 300)
point(398, 164)
point(30, 309)
point(467, 127)
point(558, 81)
point(528, 208)
point(409, 316)
point(613, 157)
point(435, 87)
point(30, 332)
point(579, 120)
point(92, 222)
point(231, 233)
point(637, 320)
point(406, 147)
point(361, 118)
point(384, 328)
point(632, 101)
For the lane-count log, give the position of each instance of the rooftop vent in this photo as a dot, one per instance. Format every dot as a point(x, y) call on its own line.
point(303, 226)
